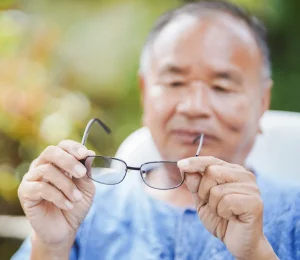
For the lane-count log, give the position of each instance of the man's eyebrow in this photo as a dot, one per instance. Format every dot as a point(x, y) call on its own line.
point(228, 75)
point(174, 69)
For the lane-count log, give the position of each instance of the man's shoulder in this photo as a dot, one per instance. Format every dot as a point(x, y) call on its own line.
point(281, 216)
point(281, 200)
point(278, 191)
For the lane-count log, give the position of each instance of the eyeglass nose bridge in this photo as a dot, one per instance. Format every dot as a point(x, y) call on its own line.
point(133, 168)
point(139, 169)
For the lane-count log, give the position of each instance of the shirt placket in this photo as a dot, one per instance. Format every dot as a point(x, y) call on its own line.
point(185, 222)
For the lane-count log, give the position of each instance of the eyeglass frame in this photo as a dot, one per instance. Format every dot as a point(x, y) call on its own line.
point(108, 131)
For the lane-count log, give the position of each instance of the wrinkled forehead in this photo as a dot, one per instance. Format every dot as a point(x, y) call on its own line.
point(215, 39)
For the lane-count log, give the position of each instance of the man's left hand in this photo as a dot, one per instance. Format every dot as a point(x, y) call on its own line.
point(229, 205)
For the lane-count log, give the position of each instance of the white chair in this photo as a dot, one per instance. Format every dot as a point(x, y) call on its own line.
point(276, 152)
point(14, 227)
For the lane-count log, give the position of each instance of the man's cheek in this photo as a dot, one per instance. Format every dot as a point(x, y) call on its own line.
point(156, 97)
point(160, 103)
point(235, 117)
point(155, 92)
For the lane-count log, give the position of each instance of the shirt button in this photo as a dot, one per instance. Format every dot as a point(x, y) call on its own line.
point(190, 211)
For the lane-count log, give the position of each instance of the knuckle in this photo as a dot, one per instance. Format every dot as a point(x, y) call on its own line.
point(213, 170)
point(70, 144)
point(43, 169)
point(255, 189)
point(68, 186)
point(216, 191)
point(39, 186)
point(237, 166)
point(211, 158)
point(69, 160)
point(22, 187)
point(227, 200)
point(26, 190)
point(258, 205)
point(25, 177)
point(49, 150)
point(33, 164)
point(251, 175)
point(209, 169)
point(20, 190)
point(64, 142)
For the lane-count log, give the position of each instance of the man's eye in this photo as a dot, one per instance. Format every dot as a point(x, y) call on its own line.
point(177, 84)
point(220, 89)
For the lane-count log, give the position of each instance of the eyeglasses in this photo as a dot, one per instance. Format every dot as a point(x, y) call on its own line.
point(111, 171)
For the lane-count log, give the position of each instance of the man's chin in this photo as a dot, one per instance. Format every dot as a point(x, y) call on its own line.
point(181, 152)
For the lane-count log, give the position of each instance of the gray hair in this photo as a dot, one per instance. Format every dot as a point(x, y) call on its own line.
point(196, 9)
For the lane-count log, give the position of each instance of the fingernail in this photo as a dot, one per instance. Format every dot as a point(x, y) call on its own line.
point(82, 152)
point(91, 153)
point(77, 195)
point(69, 205)
point(80, 170)
point(183, 163)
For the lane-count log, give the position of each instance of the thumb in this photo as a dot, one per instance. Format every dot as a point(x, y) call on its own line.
point(192, 181)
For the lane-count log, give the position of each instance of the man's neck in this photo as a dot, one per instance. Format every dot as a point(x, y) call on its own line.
point(179, 197)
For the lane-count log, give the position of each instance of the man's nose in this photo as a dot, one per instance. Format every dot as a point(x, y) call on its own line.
point(195, 102)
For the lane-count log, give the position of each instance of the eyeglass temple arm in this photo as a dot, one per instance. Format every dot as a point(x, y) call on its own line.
point(88, 128)
point(200, 143)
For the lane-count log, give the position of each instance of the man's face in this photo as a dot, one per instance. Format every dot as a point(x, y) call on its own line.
point(204, 76)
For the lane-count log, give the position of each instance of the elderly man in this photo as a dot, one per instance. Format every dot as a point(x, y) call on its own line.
point(204, 70)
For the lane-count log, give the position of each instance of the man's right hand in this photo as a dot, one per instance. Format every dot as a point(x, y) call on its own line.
point(56, 195)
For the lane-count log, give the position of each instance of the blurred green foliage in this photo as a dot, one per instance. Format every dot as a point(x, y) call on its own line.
point(63, 62)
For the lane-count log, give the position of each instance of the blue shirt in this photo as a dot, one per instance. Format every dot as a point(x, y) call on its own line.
point(126, 223)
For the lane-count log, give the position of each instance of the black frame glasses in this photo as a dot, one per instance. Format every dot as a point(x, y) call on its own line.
point(141, 169)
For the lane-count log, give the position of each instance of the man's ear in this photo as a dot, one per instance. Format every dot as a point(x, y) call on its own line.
point(266, 96)
point(142, 85)
point(266, 99)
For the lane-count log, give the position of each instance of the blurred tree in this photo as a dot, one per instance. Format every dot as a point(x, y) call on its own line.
point(60, 68)
point(6, 4)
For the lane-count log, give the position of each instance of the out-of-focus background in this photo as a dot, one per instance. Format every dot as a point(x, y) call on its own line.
point(63, 62)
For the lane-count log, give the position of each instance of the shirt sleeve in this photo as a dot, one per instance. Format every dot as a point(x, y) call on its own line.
point(25, 251)
point(289, 242)
point(296, 233)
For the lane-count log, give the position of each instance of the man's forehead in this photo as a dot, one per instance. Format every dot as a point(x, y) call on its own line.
point(218, 34)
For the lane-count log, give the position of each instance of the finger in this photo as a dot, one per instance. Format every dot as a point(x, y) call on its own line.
point(220, 174)
point(245, 208)
point(192, 181)
point(33, 193)
point(199, 164)
point(220, 191)
point(85, 184)
point(63, 160)
point(50, 173)
point(33, 164)
point(78, 150)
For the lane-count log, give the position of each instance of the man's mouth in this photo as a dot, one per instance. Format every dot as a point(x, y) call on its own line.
point(188, 136)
